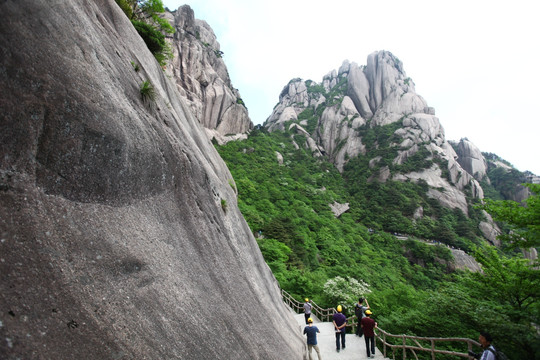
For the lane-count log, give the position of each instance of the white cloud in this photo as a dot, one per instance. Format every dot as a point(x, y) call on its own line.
point(475, 62)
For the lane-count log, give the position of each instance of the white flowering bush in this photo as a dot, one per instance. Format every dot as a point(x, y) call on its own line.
point(345, 292)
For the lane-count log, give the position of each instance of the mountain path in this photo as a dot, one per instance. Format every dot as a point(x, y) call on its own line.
point(355, 347)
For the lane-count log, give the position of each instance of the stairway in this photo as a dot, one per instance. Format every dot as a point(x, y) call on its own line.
point(355, 346)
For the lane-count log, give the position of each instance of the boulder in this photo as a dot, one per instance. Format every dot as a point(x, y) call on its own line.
point(338, 209)
point(462, 261)
point(490, 230)
point(471, 159)
point(359, 91)
point(428, 126)
point(418, 213)
point(279, 158)
point(287, 114)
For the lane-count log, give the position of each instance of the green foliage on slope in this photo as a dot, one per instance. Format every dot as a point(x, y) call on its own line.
point(413, 288)
point(144, 15)
point(523, 221)
point(290, 204)
point(504, 179)
point(391, 205)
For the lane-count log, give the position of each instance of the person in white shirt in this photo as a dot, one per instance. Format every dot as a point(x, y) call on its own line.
point(489, 352)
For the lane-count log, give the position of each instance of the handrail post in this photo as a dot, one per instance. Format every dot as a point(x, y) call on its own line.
point(404, 348)
point(432, 350)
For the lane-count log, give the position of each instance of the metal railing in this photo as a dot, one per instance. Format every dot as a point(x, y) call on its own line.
point(405, 344)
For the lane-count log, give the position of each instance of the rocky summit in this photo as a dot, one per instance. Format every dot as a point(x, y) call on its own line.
point(334, 116)
point(120, 237)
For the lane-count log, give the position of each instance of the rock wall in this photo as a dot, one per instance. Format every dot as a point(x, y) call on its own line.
point(120, 237)
point(202, 77)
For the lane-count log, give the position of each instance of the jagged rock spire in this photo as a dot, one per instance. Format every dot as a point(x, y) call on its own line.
point(202, 77)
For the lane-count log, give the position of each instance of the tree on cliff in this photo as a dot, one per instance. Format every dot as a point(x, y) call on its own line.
point(144, 15)
point(146, 9)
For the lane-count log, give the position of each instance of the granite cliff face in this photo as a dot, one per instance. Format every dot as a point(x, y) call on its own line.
point(331, 115)
point(120, 234)
point(471, 159)
point(202, 78)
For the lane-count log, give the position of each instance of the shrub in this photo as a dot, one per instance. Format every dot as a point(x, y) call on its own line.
point(345, 291)
point(224, 205)
point(144, 15)
point(154, 40)
point(165, 55)
point(126, 7)
point(152, 37)
point(148, 93)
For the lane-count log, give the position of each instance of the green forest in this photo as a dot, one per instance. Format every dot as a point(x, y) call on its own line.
point(411, 285)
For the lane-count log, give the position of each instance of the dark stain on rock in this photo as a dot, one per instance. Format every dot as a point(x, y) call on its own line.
point(72, 324)
point(131, 266)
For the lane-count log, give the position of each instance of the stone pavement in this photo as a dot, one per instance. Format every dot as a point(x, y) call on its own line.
point(355, 346)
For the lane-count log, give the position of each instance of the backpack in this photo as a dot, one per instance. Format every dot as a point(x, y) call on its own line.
point(362, 310)
point(499, 355)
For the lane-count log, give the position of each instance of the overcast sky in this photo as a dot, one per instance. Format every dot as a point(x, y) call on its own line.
point(476, 62)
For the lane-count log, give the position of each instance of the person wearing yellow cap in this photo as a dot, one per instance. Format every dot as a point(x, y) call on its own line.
point(368, 325)
point(340, 323)
point(307, 310)
point(311, 332)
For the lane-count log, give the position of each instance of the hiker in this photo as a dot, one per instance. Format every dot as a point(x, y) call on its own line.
point(489, 352)
point(359, 311)
point(340, 323)
point(311, 332)
point(368, 326)
point(307, 310)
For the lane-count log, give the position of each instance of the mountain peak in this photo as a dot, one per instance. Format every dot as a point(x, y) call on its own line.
point(339, 112)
